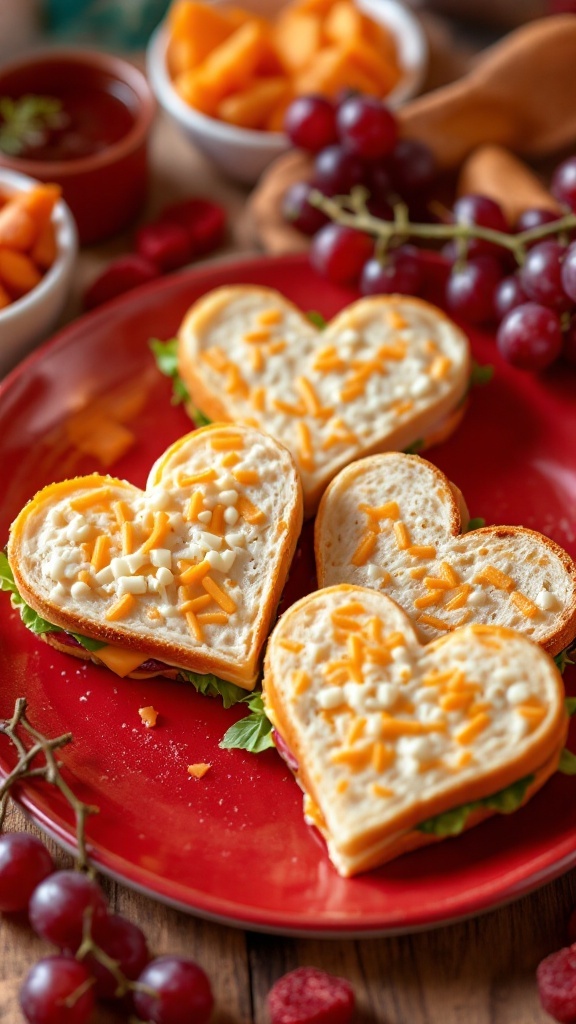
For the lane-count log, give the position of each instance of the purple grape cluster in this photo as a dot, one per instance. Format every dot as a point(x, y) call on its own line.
point(355, 142)
point(63, 989)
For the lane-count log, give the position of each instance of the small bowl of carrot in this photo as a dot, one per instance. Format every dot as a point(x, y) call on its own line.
point(38, 246)
point(226, 74)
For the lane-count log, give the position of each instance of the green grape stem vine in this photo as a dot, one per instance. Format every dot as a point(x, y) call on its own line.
point(351, 211)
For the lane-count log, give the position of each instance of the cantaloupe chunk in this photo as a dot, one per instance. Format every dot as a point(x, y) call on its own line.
point(251, 107)
point(275, 120)
point(44, 250)
point(196, 92)
point(39, 202)
point(18, 274)
point(362, 55)
point(331, 71)
point(231, 66)
point(344, 21)
point(18, 229)
point(202, 28)
point(297, 37)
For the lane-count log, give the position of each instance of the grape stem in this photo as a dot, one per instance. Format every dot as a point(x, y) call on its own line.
point(50, 771)
point(351, 211)
point(89, 946)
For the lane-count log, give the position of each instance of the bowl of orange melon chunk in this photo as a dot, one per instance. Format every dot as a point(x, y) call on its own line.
point(226, 74)
point(38, 246)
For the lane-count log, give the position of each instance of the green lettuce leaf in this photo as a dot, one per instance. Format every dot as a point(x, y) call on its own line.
point(565, 658)
point(475, 524)
point(415, 447)
point(317, 319)
point(480, 375)
point(567, 763)
point(253, 733)
point(451, 823)
point(211, 686)
point(166, 355)
point(29, 617)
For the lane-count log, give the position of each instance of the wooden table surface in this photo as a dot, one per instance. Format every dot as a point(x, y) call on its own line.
point(478, 972)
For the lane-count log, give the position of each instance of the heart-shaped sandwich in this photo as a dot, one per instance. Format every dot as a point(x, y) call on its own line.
point(386, 372)
point(394, 522)
point(187, 573)
point(396, 744)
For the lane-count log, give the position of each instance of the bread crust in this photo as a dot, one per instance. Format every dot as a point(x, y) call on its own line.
point(414, 840)
point(434, 424)
point(556, 639)
point(543, 750)
point(242, 673)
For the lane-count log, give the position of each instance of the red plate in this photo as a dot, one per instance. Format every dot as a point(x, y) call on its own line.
point(233, 846)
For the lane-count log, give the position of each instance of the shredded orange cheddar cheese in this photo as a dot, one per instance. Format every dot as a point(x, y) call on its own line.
point(402, 536)
point(496, 578)
point(524, 604)
point(159, 532)
point(194, 573)
point(291, 645)
point(231, 442)
point(149, 716)
point(101, 553)
point(249, 512)
point(473, 728)
point(198, 771)
point(121, 608)
point(269, 316)
point(195, 505)
point(98, 497)
point(364, 549)
point(305, 446)
point(222, 599)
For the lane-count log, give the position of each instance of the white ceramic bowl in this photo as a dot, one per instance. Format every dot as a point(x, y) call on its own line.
point(30, 319)
point(243, 153)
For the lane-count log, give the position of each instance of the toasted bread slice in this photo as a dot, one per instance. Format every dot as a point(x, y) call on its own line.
point(386, 372)
point(388, 733)
point(394, 522)
point(187, 572)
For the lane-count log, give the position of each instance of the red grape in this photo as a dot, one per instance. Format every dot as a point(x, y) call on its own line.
point(366, 127)
point(121, 941)
point(484, 212)
point(24, 863)
point(378, 182)
point(568, 272)
point(297, 210)
point(569, 353)
point(182, 992)
point(57, 991)
point(339, 253)
point(535, 218)
point(59, 904)
point(399, 272)
point(563, 186)
point(530, 337)
point(336, 171)
point(310, 123)
point(541, 275)
point(509, 294)
point(412, 166)
point(470, 289)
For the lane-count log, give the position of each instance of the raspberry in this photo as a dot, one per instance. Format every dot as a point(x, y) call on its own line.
point(120, 276)
point(310, 996)
point(164, 244)
point(203, 220)
point(556, 977)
